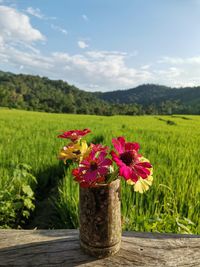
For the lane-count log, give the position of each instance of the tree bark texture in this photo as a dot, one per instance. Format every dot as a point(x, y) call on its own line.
point(100, 219)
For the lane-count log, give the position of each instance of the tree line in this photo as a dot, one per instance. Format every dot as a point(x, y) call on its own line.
point(37, 93)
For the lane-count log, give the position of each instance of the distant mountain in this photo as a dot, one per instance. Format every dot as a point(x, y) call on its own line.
point(153, 94)
point(40, 93)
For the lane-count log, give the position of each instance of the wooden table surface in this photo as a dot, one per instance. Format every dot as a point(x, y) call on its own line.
point(61, 248)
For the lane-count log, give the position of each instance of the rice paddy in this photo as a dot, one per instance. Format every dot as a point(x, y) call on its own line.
point(171, 143)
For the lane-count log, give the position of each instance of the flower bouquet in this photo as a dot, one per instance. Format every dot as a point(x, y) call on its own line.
point(98, 173)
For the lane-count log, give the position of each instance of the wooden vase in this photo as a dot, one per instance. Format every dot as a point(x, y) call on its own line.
point(100, 219)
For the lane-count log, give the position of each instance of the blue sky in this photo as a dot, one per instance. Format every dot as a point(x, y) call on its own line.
point(103, 45)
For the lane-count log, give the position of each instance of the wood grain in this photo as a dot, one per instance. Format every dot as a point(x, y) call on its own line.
point(61, 248)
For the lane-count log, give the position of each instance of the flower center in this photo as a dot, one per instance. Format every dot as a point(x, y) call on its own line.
point(77, 152)
point(127, 158)
point(93, 166)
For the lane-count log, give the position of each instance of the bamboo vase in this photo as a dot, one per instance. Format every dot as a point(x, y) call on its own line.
point(100, 219)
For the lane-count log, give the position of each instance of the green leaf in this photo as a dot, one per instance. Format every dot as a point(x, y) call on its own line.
point(26, 213)
point(27, 190)
point(28, 204)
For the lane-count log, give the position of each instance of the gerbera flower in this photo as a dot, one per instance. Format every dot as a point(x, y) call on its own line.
point(74, 135)
point(74, 151)
point(131, 167)
point(92, 170)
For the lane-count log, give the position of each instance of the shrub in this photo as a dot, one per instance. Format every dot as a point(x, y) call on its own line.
point(16, 197)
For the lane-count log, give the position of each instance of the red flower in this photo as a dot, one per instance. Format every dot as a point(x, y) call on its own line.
point(74, 135)
point(98, 148)
point(128, 160)
point(93, 169)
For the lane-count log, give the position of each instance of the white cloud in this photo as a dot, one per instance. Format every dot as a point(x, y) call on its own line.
point(171, 72)
point(90, 69)
point(1, 41)
point(178, 71)
point(82, 44)
point(180, 60)
point(104, 69)
point(96, 70)
point(36, 12)
point(17, 42)
point(145, 67)
point(16, 26)
point(59, 29)
point(29, 59)
point(103, 54)
point(85, 17)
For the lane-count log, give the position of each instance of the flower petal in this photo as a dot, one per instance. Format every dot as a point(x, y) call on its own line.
point(145, 165)
point(132, 146)
point(101, 156)
point(103, 171)
point(125, 172)
point(90, 176)
point(115, 157)
point(142, 171)
point(106, 162)
point(142, 185)
point(119, 144)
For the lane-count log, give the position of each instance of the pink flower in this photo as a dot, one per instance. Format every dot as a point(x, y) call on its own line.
point(98, 148)
point(74, 135)
point(92, 169)
point(128, 160)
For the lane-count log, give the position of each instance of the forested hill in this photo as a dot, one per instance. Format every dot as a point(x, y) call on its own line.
point(150, 93)
point(42, 94)
point(158, 98)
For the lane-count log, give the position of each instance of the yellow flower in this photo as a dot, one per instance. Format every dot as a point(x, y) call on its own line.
point(142, 185)
point(85, 150)
point(75, 151)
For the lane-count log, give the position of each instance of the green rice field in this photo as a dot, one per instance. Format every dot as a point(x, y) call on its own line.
point(48, 198)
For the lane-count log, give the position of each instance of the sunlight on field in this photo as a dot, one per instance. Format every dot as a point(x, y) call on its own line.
point(170, 142)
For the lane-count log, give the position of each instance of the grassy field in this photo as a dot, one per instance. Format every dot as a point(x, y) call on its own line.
point(170, 142)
